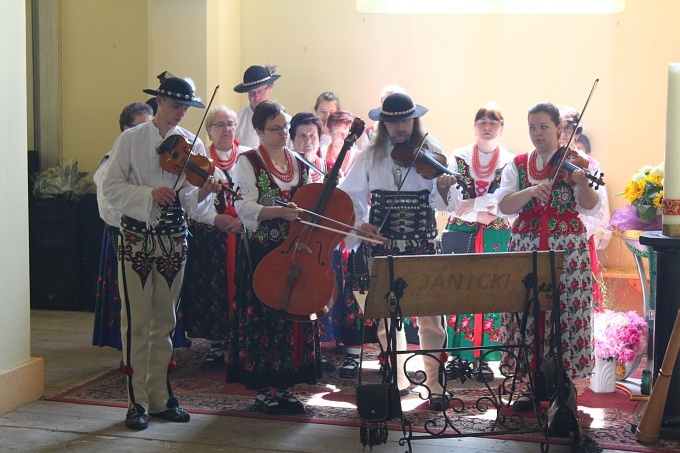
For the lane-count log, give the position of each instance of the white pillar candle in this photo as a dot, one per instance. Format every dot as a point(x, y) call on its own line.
point(671, 189)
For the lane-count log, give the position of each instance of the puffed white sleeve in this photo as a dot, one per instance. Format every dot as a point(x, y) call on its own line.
point(107, 212)
point(247, 208)
point(455, 194)
point(133, 200)
point(356, 185)
point(596, 213)
point(509, 185)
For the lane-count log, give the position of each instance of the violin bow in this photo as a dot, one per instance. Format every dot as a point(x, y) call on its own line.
point(573, 132)
point(307, 162)
point(195, 137)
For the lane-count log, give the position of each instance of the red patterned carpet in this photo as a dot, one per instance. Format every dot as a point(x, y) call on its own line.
point(605, 418)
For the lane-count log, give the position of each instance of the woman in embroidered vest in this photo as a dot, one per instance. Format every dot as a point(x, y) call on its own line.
point(209, 277)
point(265, 349)
point(476, 228)
point(549, 219)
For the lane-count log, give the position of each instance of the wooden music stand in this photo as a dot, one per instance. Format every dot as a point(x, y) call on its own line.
point(464, 283)
point(452, 284)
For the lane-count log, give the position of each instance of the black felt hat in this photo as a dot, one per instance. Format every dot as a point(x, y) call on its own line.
point(397, 107)
point(179, 90)
point(254, 77)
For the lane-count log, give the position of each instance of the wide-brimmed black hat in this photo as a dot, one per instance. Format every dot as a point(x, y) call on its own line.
point(254, 77)
point(179, 90)
point(397, 107)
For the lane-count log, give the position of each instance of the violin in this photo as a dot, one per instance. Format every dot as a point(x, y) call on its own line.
point(429, 165)
point(571, 162)
point(176, 157)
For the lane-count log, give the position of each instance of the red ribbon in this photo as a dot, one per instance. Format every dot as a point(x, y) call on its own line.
point(231, 261)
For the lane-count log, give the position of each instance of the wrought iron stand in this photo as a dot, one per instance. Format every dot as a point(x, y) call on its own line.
point(457, 416)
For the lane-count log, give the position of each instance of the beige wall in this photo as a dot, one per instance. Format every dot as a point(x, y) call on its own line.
point(104, 64)
point(450, 63)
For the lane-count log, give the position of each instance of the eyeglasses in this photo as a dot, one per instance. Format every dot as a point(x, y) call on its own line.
point(230, 125)
point(568, 127)
point(258, 92)
point(485, 123)
point(278, 129)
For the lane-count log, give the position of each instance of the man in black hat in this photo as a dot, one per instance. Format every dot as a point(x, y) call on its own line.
point(258, 82)
point(152, 248)
point(402, 209)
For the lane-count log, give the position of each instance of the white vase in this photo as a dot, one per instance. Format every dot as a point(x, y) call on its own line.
point(603, 379)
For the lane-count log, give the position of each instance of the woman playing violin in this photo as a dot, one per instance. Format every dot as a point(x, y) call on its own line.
point(549, 219)
point(265, 349)
point(209, 278)
point(474, 227)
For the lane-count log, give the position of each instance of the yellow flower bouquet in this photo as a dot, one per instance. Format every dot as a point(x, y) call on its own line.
point(645, 191)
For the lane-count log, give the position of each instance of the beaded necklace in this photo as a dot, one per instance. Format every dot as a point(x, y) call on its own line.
point(224, 164)
point(288, 171)
point(484, 171)
point(535, 173)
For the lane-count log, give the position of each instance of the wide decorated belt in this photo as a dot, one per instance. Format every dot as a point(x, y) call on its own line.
point(403, 215)
point(173, 220)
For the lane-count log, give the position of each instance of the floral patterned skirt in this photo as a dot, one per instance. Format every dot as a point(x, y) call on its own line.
point(205, 301)
point(265, 349)
point(576, 314)
point(107, 305)
point(463, 328)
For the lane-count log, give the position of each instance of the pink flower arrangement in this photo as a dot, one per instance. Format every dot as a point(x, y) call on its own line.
point(619, 335)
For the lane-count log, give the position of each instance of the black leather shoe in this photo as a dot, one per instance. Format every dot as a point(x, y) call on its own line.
point(212, 361)
point(136, 418)
point(483, 373)
point(326, 366)
point(523, 402)
point(349, 368)
point(292, 404)
point(270, 405)
point(452, 369)
point(437, 403)
point(175, 414)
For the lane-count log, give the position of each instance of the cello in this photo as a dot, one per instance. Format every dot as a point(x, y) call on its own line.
point(296, 279)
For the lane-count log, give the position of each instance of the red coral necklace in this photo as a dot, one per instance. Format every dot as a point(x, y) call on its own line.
point(288, 173)
point(535, 173)
point(224, 164)
point(484, 171)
